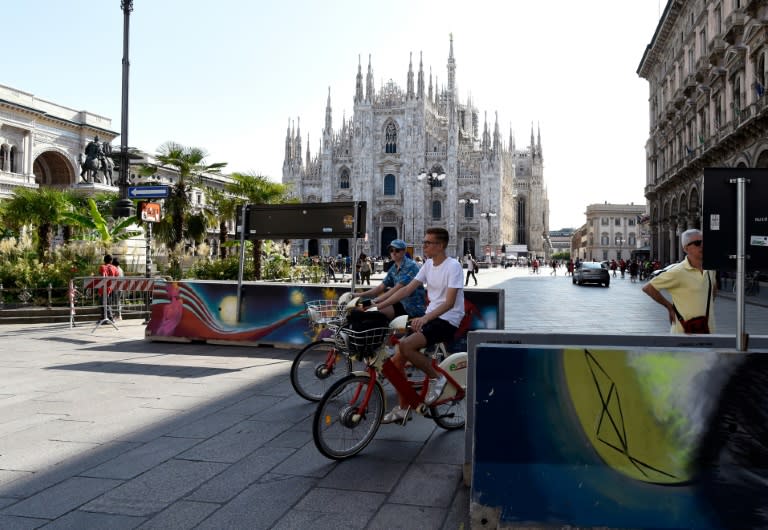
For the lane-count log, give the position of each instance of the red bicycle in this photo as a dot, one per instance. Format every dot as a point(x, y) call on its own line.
point(350, 413)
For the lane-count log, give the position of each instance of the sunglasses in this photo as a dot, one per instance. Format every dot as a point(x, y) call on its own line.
point(696, 243)
point(393, 249)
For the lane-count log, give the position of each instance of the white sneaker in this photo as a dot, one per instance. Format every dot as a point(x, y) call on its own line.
point(436, 387)
point(397, 415)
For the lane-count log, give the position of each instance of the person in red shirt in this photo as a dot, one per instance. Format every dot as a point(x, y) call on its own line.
point(107, 269)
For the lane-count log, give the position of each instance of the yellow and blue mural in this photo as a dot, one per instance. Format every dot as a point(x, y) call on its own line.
point(620, 438)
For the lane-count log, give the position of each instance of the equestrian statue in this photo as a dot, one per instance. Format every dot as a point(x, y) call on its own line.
point(96, 159)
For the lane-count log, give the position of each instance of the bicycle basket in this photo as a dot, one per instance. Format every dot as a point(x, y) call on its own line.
point(323, 312)
point(361, 343)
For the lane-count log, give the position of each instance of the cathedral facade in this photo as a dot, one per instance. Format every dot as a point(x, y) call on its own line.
point(418, 158)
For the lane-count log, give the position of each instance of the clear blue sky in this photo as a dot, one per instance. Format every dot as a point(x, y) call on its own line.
point(228, 75)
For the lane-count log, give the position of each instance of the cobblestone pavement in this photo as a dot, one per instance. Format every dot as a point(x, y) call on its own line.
point(105, 430)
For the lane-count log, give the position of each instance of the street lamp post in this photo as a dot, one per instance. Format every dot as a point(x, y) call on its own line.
point(433, 179)
point(124, 206)
point(488, 216)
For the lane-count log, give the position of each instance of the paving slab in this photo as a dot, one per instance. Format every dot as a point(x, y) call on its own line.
point(182, 514)
point(78, 520)
point(236, 442)
point(155, 490)
point(428, 485)
point(62, 498)
point(142, 458)
point(261, 504)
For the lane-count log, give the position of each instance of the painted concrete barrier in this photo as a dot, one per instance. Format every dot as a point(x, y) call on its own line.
point(272, 313)
point(606, 436)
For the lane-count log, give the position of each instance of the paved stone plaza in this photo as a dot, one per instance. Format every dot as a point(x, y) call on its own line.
point(105, 430)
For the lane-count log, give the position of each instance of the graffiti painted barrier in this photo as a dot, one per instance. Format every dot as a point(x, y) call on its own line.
point(273, 314)
point(619, 437)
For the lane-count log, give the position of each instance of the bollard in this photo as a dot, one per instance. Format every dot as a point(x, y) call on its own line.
point(50, 296)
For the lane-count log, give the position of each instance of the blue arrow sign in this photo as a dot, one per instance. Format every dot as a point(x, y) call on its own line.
point(148, 192)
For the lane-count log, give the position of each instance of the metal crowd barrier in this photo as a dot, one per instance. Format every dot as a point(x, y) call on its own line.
point(116, 296)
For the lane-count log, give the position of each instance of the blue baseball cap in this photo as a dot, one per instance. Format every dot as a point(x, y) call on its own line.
point(398, 244)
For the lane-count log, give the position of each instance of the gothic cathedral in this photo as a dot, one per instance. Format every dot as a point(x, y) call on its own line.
point(419, 160)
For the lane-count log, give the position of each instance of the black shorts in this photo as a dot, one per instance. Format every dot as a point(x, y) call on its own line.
point(438, 330)
point(399, 309)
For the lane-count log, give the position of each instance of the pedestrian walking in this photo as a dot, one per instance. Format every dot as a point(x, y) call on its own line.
point(471, 268)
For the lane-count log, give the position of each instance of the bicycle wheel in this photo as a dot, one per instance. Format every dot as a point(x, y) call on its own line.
point(316, 367)
point(340, 429)
point(450, 415)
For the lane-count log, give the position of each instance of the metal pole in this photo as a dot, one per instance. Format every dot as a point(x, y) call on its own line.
point(354, 249)
point(242, 260)
point(124, 206)
point(148, 253)
point(741, 213)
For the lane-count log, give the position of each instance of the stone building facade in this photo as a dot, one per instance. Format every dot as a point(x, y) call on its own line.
point(706, 70)
point(492, 194)
point(41, 142)
point(612, 231)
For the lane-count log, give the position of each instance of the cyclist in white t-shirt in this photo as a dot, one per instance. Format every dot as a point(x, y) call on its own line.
point(444, 279)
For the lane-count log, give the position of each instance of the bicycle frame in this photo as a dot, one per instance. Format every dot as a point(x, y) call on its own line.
point(406, 388)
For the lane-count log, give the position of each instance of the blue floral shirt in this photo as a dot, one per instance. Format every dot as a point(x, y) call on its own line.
point(415, 304)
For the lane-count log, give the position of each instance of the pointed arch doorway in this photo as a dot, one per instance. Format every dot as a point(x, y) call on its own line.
point(388, 233)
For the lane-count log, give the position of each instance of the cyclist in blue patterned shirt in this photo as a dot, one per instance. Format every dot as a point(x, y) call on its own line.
point(400, 274)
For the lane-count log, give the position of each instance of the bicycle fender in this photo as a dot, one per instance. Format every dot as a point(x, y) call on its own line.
point(456, 366)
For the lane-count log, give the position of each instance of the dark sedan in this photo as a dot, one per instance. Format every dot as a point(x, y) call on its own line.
point(591, 272)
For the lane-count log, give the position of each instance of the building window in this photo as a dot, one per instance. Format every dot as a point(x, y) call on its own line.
point(389, 184)
point(604, 221)
point(605, 255)
point(631, 222)
point(469, 210)
point(632, 241)
point(344, 179)
point(390, 145)
point(437, 210)
point(604, 239)
point(617, 221)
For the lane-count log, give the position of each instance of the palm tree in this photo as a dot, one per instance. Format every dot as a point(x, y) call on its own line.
point(190, 164)
point(42, 208)
point(257, 189)
point(222, 207)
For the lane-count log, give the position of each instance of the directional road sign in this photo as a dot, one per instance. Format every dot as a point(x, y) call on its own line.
point(148, 192)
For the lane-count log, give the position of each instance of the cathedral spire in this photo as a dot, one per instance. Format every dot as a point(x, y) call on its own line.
point(288, 144)
point(359, 82)
point(496, 135)
point(538, 141)
point(437, 93)
point(308, 157)
point(511, 140)
point(369, 90)
point(451, 69)
point(420, 81)
point(328, 121)
point(486, 135)
point(429, 94)
point(410, 94)
point(533, 144)
point(297, 148)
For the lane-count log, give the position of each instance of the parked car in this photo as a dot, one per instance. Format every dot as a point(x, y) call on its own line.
point(591, 272)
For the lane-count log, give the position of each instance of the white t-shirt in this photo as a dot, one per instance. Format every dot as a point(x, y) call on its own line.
point(437, 280)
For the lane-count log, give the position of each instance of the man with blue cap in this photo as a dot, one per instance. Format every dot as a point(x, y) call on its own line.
point(400, 274)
